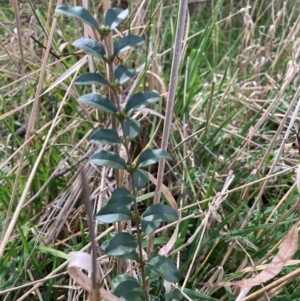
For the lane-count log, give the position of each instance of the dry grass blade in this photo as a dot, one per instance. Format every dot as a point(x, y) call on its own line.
point(13, 221)
point(286, 252)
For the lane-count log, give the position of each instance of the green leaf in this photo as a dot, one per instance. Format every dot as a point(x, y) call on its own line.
point(153, 298)
point(108, 159)
point(52, 252)
point(106, 136)
point(149, 227)
point(98, 101)
point(121, 197)
point(140, 178)
point(174, 295)
point(141, 100)
point(127, 288)
point(90, 78)
point(131, 256)
point(132, 128)
point(114, 16)
point(164, 267)
point(78, 12)
point(123, 74)
point(115, 209)
point(123, 278)
point(122, 244)
point(90, 47)
point(160, 213)
point(151, 156)
point(127, 43)
point(112, 214)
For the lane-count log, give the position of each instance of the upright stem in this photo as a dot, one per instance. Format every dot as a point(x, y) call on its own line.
point(170, 102)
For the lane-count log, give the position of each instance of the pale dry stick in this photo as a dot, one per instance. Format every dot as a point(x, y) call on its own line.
point(170, 103)
point(86, 197)
point(262, 190)
point(183, 293)
point(185, 123)
point(212, 208)
point(37, 291)
point(18, 209)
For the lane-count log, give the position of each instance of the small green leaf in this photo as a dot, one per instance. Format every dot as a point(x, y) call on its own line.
point(122, 244)
point(98, 101)
point(121, 197)
point(115, 209)
point(112, 214)
point(90, 47)
point(78, 12)
point(127, 288)
point(151, 156)
point(114, 16)
point(127, 43)
point(123, 74)
point(106, 136)
point(123, 278)
point(90, 78)
point(132, 128)
point(149, 227)
point(160, 213)
point(164, 267)
point(141, 100)
point(108, 159)
point(140, 178)
point(174, 295)
point(131, 256)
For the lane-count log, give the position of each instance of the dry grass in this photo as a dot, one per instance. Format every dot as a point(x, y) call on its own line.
point(233, 170)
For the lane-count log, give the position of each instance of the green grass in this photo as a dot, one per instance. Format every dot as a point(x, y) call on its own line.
point(234, 88)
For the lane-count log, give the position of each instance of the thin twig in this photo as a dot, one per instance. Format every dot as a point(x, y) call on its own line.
point(170, 103)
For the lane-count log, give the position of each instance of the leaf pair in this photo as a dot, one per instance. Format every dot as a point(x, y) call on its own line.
point(113, 160)
point(112, 18)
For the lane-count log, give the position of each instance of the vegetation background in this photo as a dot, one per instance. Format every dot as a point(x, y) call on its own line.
point(234, 182)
